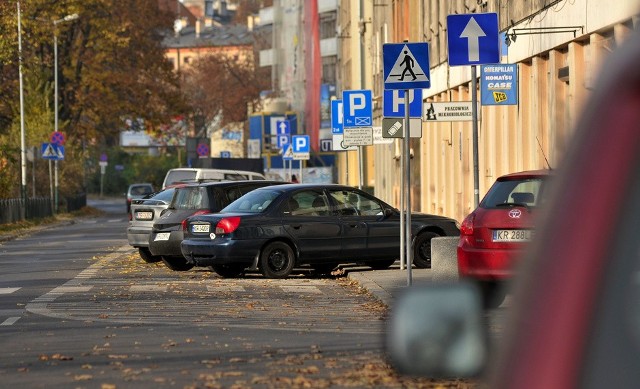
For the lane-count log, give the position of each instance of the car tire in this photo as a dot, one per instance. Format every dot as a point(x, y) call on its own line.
point(381, 265)
point(493, 293)
point(176, 263)
point(146, 255)
point(277, 260)
point(422, 250)
point(229, 271)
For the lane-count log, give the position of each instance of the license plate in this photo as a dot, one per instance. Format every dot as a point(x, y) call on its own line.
point(144, 215)
point(200, 228)
point(512, 235)
point(162, 236)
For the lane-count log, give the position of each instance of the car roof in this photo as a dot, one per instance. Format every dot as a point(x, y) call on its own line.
point(526, 174)
point(293, 186)
point(230, 183)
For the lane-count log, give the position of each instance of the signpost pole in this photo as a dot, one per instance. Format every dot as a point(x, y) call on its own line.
point(55, 163)
point(474, 116)
point(51, 187)
point(407, 187)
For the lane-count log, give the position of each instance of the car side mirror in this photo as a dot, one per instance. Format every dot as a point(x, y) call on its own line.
point(388, 212)
point(438, 331)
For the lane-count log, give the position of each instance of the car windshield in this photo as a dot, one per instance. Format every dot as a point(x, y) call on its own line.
point(526, 191)
point(190, 198)
point(255, 201)
point(164, 195)
point(141, 190)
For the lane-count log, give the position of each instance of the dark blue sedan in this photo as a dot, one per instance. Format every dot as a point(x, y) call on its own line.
point(277, 228)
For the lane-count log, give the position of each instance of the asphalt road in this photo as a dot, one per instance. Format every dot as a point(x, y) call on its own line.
point(79, 308)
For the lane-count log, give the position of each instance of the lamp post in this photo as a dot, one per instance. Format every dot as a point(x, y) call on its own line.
point(67, 18)
point(23, 151)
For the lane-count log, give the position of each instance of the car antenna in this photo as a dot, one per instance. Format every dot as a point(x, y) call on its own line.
point(542, 151)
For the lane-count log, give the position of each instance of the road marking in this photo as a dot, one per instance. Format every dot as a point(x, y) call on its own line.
point(148, 288)
point(8, 290)
point(225, 288)
point(300, 289)
point(10, 321)
point(114, 220)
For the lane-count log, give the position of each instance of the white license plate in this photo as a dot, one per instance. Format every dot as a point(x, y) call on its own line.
point(144, 215)
point(199, 228)
point(162, 236)
point(512, 235)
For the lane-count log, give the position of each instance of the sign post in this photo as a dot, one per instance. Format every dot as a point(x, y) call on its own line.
point(473, 40)
point(357, 109)
point(406, 66)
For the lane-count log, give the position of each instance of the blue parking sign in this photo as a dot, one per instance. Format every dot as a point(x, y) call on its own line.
point(336, 117)
point(393, 103)
point(357, 108)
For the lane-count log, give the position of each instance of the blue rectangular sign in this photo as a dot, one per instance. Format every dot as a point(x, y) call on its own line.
point(406, 65)
point(499, 84)
point(283, 127)
point(393, 103)
point(357, 108)
point(473, 39)
point(336, 117)
point(300, 143)
point(52, 151)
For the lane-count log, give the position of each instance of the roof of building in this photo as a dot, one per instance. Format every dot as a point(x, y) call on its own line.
point(234, 35)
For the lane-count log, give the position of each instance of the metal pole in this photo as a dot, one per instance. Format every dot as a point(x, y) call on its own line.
point(407, 157)
point(51, 187)
point(23, 151)
point(474, 118)
point(362, 86)
point(55, 104)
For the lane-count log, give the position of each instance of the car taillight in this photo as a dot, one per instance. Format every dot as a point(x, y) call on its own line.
point(227, 225)
point(184, 222)
point(467, 224)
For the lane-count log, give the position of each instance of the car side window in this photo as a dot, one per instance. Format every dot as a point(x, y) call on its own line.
point(354, 203)
point(307, 203)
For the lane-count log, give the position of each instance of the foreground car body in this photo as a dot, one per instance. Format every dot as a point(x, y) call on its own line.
point(279, 227)
point(166, 235)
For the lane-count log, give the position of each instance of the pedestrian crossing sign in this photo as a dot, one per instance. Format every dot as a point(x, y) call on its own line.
point(406, 65)
point(52, 151)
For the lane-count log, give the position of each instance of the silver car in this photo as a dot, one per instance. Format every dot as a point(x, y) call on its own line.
point(144, 212)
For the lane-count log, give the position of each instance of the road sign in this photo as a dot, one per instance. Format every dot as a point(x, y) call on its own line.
point(283, 140)
point(203, 150)
point(287, 154)
point(358, 136)
point(52, 151)
point(57, 137)
point(326, 145)
point(225, 154)
point(283, 127)
point(406, 65)
point(499, 84)
point(357, 108)
point(394, 128)
point(336, 117)
point(450, 111)
point(338, 143)
point(473, 39)
point(393, 103)
point(301, 146)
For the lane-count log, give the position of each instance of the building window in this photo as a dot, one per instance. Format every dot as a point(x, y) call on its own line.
point(327, 25)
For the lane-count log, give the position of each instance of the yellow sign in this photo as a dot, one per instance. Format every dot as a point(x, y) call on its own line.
point(499, 97)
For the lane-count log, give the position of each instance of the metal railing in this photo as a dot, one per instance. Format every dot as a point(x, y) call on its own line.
point(11, 210)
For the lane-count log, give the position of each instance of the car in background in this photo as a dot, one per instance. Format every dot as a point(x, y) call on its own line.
point(137, 191)
point(574, 319)
point(186, 175)
point(321, 225)
point(144, 212)
point(196, 199)
point(498, 230)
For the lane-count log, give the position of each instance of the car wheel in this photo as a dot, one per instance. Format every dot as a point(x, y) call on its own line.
point(381, 265)
point(276, 260)
point(145, 254)
point(422, 250)
point(323, 268)
point(493, 293)
point(176, 263)
point(229, 271)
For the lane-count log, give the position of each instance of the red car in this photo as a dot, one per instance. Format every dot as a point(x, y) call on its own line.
point(497, 231)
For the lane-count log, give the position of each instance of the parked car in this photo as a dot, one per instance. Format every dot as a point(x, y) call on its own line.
point(278, 227)
point(574, 318)
point(144, 212)
point(137, 191)
point(166, 235)
point(186, 175)
point(498, 230)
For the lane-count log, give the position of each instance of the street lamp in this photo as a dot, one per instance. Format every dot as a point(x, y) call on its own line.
point(67, 18)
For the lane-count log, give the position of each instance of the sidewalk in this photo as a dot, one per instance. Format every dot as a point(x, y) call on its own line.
point(388, 284)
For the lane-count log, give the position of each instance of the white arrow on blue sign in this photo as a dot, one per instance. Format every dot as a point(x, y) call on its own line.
point(336, 117)
point(393, 103)
point(357, 108)
point(283, 127)
point(473, 39)
point(406, 65)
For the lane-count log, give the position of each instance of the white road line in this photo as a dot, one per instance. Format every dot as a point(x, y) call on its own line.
point(114, 220)
point(148, 288)
point(10, 321)
point(226, 288)
point(301, 289)
point(8, 290)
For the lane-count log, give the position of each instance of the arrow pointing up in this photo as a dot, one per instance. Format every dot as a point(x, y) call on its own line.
point(472, 31)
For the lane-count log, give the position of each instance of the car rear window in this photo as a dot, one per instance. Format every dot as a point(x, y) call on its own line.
point(190, 198)
point(180, 176)
point(526, 191)
point(255, 201)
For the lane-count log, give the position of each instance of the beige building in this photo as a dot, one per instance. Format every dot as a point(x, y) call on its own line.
point(558, 46)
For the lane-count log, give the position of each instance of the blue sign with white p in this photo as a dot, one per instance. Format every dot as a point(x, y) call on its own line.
point(336, 117)
point(357, 108)
point(300, 143)
point(283, 140)
point(393, 103)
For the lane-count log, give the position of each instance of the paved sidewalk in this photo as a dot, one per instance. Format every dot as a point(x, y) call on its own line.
point(388, 284)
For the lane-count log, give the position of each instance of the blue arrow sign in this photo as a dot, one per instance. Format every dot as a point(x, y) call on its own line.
point(357, 108)
point(283, 127)
point(336, 117)
point(473, 39)
point(393, 103)
point(406, 65)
